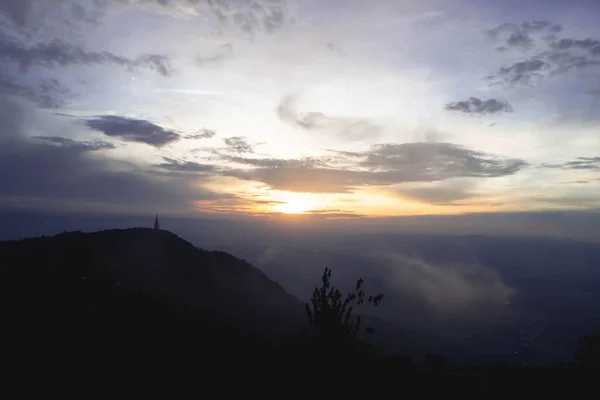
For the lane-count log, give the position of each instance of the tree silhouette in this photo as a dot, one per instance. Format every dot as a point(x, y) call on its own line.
point(332, 322)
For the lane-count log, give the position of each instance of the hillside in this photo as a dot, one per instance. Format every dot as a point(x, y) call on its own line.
point(137, 289)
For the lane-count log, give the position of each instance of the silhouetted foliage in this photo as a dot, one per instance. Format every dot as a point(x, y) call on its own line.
point(333, 323)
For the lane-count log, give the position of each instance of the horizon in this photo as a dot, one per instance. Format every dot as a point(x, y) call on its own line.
point(572, 225)
point(303, 111)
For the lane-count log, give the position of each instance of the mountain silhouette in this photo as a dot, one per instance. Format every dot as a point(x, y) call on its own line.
point(137, 294)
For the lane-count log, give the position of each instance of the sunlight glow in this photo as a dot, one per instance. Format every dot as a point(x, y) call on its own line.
point(296, 203)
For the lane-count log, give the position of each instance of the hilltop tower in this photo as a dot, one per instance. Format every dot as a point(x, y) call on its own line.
point(156, 223)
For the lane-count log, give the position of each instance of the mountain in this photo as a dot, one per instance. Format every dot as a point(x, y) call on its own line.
point(141, 292)
point(135, 289)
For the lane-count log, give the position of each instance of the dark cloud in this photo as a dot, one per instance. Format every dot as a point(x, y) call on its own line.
point(527, 27)
point(519, 39)
point(590, 45)
point(475, 105)
point(520, 73)
point(185, 166)
point(443, 193)
point(581, 163)
point(520, 36)
point(238, 144)
point(543, 25)
point(553, 56)
point(58, 53)
point(60, 171)
point(384, 165)
point(565, 62)
point(436, 161)
point(347, 128)
point(75, 144)
point(49, 93)
point(202, 134)
point(132, 130)
point(543, 65)
point(16, 10)
point(30, 14)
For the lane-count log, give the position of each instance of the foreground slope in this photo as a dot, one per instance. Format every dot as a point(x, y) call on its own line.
point(137, 290)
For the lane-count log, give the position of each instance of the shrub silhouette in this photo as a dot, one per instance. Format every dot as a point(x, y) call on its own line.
point(333, 325)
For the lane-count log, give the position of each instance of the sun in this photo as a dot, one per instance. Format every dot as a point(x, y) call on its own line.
point(295, 203)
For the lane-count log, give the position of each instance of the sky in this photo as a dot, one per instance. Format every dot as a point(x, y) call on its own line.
point(331, 108)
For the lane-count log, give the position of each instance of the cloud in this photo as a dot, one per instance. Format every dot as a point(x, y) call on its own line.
point(521, 73)
point(590, 45)
point(185, 166)
point(541, 66)
point(50, 93)
point(83, 146)
point(436, 161)
point(458, 289)
point(345, 127)
point(305, 162)
point(238, 144)
point(549, 55)
point(232, 204)
point(443, 193)
point(235, 19)
point(580, 182)
point(30, 14)
point(520, 36)
point(132, 130)
point(417, 290)
point(581, 163)
point(202, 134)
point(16, 10)
point(475, 105)
point(334, 213)
point(382, 165)
point(58, 170)
point(58, 53)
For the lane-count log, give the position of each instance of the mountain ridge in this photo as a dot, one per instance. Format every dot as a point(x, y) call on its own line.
point(53, 277)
